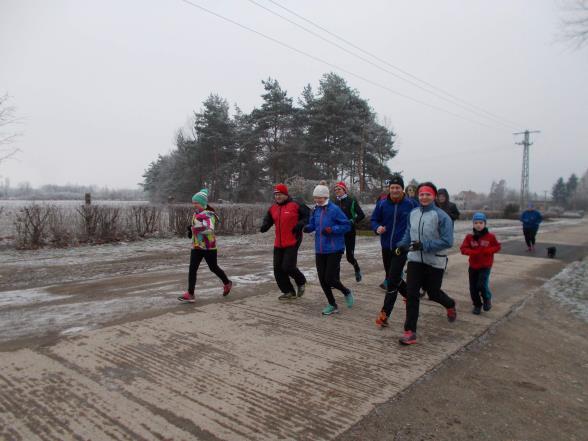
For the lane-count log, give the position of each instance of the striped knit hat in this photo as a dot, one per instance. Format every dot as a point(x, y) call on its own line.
point(201, 197)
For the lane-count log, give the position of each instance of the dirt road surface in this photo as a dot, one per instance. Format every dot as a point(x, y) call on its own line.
point(94, 346)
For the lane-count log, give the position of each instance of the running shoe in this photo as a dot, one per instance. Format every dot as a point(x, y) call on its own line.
point(382, 320)
point(409, 338)
point(330, 309)
point(451, 314)
point(349, 299)
point(187, 298)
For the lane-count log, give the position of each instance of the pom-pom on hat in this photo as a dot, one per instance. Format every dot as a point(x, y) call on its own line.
point(479, 217)
point(281, 188)
point(321, 191)
point(342, 186)
point(201, 197)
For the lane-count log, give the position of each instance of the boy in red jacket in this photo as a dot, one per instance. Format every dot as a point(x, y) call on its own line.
point(481, 247)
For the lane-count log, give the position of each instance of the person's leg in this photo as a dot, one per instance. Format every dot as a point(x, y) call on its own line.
point(386, 256)
point(395, 282)
point(475, 289)
point(333, 271)
point(532, 235)
point(414, 282)
point(433, 280)
point(483, 278)
point(527, 234)
point(211, 259)
point(280, 275)
point(195, 259)
point(350, 250)
point(289, 260)
point(321, 269)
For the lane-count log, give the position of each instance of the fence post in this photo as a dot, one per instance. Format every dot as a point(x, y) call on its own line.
point(88, 198)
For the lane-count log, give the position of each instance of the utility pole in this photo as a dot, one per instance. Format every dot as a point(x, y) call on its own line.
point(525, 173)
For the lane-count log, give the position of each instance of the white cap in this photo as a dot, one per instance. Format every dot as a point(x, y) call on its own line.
point(321, 191)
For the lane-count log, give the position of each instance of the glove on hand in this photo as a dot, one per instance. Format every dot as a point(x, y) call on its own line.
point(416, 246)
point(297, 229)
point(189, 231)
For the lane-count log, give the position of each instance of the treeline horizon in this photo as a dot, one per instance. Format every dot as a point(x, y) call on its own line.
point(333, 134)
point(25, 191)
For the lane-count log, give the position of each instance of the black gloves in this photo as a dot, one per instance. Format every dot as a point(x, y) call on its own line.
point(189, 231)
point(297, 229)
point(415, 246)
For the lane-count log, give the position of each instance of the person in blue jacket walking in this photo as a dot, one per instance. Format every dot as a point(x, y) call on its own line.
point(389, 220)
point(531, 219)
point(330, 225)
point(428, 236)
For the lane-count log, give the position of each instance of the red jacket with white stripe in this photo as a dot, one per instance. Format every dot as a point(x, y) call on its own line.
point(481, 251)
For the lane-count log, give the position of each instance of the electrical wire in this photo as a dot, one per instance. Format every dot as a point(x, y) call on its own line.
point(472, 106)
point(320, 60)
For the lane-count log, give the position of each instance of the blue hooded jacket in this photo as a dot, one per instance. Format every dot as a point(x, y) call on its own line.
point(393, 216)
point(531, 219)
point(328, 216)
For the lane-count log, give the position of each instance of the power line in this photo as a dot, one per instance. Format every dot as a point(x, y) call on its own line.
point(320, 60)
point(453, 101)
point(473, 106)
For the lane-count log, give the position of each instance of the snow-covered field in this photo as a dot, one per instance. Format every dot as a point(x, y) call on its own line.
point(570, 287)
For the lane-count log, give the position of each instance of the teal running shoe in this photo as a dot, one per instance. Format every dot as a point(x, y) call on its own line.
point(330, 309)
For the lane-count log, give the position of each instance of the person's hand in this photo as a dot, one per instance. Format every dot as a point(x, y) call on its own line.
point(189, 231)
point(307, 229)
point(416, 246)
point(381, 229)
point(297, 229)
point(327, 230)
point(201, 216)
point(400, 251)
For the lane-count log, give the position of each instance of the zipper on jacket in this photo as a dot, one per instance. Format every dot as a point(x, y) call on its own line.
point(393, 225)
point(321, 230)
point(280, 225)
point(419, 230)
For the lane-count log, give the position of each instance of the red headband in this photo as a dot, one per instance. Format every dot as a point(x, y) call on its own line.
point(427, 189)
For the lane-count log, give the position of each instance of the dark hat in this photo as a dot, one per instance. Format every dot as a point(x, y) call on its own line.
point(396, 179)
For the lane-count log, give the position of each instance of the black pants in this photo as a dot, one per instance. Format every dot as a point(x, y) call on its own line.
point(387, 259)
point(394, 283)
point(328, 267)
point(530, 234)
point(285, 267)
point(196, 257)
point(350, 250)
point(479, 285)
point(429, 278)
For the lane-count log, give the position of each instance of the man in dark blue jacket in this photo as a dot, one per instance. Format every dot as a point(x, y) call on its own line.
point(531, 219)
point(389, 220)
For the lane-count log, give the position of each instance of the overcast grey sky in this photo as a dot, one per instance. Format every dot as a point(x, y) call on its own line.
point(104, 85)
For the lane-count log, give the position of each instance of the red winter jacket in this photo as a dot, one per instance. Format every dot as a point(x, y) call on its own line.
point(289, 219)
point(481, 252)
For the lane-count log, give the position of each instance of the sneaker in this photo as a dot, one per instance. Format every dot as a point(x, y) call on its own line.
point(487, 304)
point(358, 276)
point(382, 320)
point(187, 298)
point(532, 248)
point(451, 314)
point(287, 296)
point(477, 310)
point(409, 338)
point(384, 285)
point(227, 288)
point(349, 299)
point(330, 309)
point(300, 290)
point(529, 249)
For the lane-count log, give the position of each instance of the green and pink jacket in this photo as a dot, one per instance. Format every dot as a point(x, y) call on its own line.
point(204, 224)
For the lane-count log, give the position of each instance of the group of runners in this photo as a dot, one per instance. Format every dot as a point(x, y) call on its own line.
point(415, 226)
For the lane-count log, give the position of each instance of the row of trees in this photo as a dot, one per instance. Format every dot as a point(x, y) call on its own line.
point(572, 193)
point(332, 134)
point(25, 191)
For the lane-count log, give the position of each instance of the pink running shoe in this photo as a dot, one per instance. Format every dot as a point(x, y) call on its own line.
point(227, 288)
point(187, 298)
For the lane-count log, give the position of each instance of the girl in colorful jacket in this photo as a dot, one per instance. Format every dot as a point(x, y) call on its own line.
point(481, 246)
point(201, 231)
point(330, 225)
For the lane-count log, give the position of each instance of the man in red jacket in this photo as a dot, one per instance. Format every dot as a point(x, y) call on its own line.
point(289, 218)
point(481, 246)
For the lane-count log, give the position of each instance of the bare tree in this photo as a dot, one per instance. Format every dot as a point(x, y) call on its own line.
point(7, 121)
point(574, 22)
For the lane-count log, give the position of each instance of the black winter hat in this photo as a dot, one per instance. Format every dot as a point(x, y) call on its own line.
point(396, 179)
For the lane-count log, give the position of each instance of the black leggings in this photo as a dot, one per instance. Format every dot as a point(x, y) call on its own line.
point(285, 267)
point(196, 257)
point(530, 234)
point(479, 285)
point(429, 278)
point(328, 267)
point(350, 250)
point(395, 284)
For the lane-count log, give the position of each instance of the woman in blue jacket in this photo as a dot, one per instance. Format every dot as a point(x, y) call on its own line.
point(330, 225)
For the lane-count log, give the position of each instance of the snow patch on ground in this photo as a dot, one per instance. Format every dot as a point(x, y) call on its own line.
point(27, 296)
point(570, 287)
